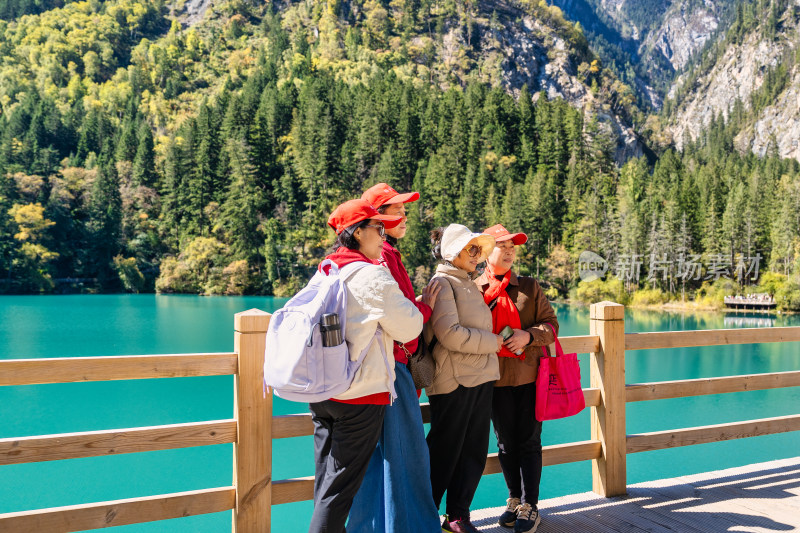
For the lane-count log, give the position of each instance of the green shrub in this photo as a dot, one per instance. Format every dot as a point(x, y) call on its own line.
point(649, 297)
point(599, 290)
point(713, 293)
point(787, 297)
point(237, 277)
point(552, 293)
point(129, 274)
point(771, 282)
point(286, 288)
point(176, 277)
point(198, 268)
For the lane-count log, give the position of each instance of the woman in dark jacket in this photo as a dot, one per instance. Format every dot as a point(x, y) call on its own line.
point(518, 302)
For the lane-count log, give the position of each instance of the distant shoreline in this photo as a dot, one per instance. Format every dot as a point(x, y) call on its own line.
point(688, 305)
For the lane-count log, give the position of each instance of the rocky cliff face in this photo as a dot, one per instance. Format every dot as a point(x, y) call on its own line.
point(740, 71)
point(552, 69)
point(779, 124)
point(682, 33)
point(658, 37)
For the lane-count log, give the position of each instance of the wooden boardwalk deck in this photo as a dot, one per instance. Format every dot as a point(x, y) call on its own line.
point(763, 497)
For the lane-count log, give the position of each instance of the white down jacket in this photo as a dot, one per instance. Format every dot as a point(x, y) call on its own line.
point(374, 298)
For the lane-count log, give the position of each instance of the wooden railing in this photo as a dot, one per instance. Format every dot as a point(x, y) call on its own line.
point(253, 427)
point(249, 430)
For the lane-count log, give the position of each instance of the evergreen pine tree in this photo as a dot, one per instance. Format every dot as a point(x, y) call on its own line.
point(105, 218)
point(144, 172)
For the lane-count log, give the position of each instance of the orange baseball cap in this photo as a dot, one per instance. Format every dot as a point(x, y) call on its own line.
point(501, 234)
point(354, 211)
point(382, 194)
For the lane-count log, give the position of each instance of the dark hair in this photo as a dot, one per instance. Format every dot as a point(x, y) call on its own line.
point(347, 238)
point(391, 240)
point(436, 242)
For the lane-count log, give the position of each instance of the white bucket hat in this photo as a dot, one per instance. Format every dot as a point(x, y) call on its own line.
point(457, 237)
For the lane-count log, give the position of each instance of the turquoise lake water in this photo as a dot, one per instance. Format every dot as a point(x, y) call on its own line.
point(61, 326)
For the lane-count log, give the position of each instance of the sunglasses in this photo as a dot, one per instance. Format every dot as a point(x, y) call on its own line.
point(474, 250)
point(380, 227)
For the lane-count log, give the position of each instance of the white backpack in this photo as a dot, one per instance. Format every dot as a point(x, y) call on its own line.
point(296, 365)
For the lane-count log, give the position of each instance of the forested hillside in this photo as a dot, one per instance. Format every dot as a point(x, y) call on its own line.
point(137, 153)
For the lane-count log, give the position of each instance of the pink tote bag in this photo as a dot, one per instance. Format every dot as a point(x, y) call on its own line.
point(558, 385)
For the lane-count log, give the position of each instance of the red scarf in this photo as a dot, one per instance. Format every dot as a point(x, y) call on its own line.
point(504, 313)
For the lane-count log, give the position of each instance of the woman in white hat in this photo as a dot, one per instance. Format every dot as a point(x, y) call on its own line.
point(465, 350)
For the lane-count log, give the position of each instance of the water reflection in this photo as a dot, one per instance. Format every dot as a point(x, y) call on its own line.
point(748, 320)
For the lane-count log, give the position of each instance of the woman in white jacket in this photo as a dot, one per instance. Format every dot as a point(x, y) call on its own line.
point(347, 428)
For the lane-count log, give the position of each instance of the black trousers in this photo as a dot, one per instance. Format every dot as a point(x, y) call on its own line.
point(458, 442)
point(345, 437)
point(519, 440)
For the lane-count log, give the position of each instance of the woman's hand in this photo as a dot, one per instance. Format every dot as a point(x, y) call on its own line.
point(518, 341)
point(499, 342)
point(429, 294)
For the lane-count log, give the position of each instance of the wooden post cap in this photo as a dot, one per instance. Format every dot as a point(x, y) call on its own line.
point(607, 311)
point(251, 321)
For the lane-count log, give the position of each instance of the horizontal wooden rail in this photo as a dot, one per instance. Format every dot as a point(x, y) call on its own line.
point(302, 488)
point(119, 512)
point(297, 489)
point(661, 390)
point(94, 443)
point(109, 368)
point(592, 397)
point(557, 454)
point(300, 425)
point(659, 440)
point(709, 337)
point(580, 344)
point(286, 426)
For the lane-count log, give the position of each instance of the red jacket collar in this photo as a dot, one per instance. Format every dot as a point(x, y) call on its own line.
point(344, 256)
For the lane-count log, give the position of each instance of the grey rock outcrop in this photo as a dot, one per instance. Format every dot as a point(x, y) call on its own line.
point(682, 33)
point(741, 70)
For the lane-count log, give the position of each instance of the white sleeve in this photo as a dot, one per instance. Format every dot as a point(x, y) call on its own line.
point(397, 315)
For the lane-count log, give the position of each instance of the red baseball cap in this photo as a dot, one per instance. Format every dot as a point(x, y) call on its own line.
point(501, 234)
point(382, 194)
point(354, 211)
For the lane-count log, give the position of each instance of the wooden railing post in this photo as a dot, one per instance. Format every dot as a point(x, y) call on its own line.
point(607, 368)
point(252, 451)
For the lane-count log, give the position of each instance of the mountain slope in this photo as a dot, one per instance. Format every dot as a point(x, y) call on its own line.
point(500, 43)
point(750, 80)
point(648, 42)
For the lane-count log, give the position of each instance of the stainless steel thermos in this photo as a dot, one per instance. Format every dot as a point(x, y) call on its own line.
point(331, 329)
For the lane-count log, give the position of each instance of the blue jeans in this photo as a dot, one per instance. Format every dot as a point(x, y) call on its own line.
point(396, 496)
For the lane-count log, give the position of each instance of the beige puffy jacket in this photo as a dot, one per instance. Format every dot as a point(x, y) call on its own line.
point(466, 348)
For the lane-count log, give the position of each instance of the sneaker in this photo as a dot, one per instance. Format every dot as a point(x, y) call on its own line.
point(527, 519)
point(462, 525)
point(509, 516)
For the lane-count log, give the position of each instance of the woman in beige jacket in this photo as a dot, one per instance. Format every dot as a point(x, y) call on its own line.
point(465, 350)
